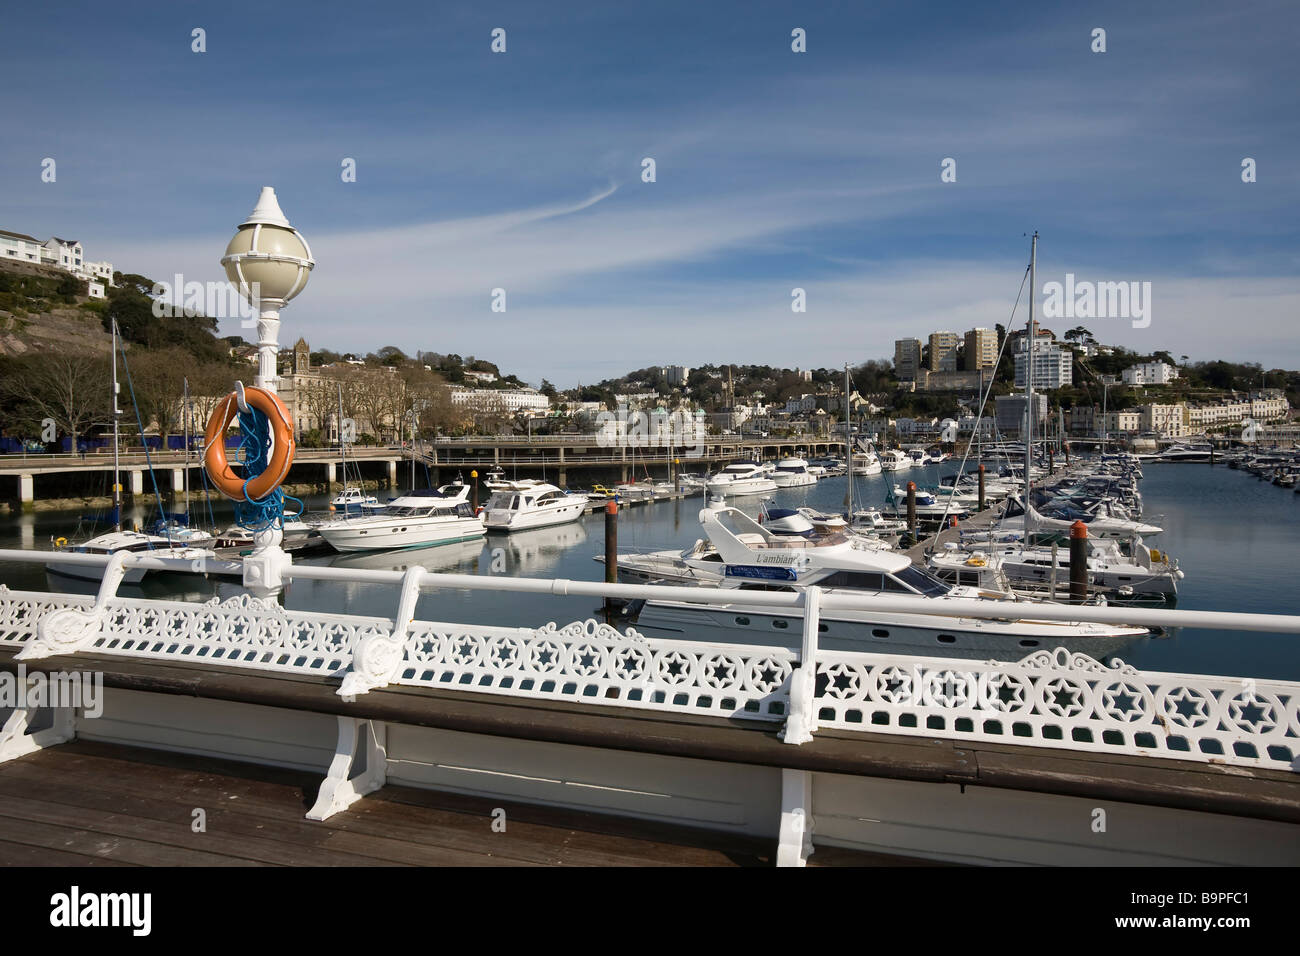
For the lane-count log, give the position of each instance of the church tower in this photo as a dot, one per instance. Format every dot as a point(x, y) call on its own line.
point(301, 357)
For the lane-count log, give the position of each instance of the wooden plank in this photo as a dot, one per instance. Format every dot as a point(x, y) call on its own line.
point(1184, 786)
point(67, 837)
point(397, 824)
point(243, 806)
point(19, 854)
point(294, 841)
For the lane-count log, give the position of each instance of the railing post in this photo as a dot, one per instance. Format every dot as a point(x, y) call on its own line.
point(71, 629)
point(794, 843)
point(802, 722)
point(379, 656)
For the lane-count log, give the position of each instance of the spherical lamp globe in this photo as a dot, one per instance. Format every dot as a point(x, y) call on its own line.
point(268, 261)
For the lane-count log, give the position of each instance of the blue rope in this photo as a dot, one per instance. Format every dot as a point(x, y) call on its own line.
point(255, 444)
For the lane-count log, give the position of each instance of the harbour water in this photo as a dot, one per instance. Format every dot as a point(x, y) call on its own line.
point(1233, 535)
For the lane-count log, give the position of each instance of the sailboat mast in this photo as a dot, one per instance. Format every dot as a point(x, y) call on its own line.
point(1029, 375)
point(117, 413)
point(343, 445)
point(848, 441)
point(185, 479)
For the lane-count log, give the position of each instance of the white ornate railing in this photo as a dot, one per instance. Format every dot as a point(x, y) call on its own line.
point(596, 663)
point(1058, 699)
point(1049, 699)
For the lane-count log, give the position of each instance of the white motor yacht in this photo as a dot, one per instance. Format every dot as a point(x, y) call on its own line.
point(751, 556)
point(866, 463)
point(417, 519)
point(895, 460)
point(793, 473)
point(352, 501)
point(822, 521)
point(741, 479)
point(537, 506)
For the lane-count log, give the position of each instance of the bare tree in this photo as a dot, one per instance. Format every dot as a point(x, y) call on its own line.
point(159, 380)
point(69, 387)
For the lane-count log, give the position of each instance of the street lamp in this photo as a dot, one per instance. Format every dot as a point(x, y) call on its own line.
point(269, 262)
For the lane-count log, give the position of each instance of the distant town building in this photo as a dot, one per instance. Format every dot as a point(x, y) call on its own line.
point(907, 359)
point(1149, 373)
point(928, 381)
point(1053, 367)
point(676, 375)
point(802, 405)
point(981, 349)
point(1167, 421)
point(633, 399)
point(475, 376)
point(1259, 407)
point(1010, 414)
point(1043, 338)
point(943, 351)
point(1082, 420)
point(1125, 422)
point(966, 425)
point(500, 399)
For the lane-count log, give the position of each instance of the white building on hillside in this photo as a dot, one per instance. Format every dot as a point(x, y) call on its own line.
point(1053, 367)
point(804, 404)
point(20, 247)
point(677, 374)
point(65, 254)
point(1149, 373)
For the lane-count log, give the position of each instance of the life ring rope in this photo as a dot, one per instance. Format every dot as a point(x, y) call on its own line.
point(267, 454)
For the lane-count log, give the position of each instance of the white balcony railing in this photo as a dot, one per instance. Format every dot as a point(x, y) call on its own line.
point(1049, 699)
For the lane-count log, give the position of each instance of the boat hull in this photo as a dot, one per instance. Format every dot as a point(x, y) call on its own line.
point(745, 486)
point(400, 536)
point(876, 633)
point(506, 520)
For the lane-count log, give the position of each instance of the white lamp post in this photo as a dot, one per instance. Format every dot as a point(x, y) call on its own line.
point(269, 262)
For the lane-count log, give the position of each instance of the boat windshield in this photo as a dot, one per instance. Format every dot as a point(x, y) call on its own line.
point(921, 580)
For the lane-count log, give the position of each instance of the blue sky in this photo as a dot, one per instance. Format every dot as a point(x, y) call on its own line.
point(775, 170)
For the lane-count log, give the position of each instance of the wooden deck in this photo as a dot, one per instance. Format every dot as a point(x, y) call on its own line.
point(96, 804)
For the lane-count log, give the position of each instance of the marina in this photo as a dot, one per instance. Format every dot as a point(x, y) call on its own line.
point(591, 439)
point(398, 644)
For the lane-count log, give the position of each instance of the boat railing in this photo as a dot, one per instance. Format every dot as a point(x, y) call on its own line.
point(1050, 698)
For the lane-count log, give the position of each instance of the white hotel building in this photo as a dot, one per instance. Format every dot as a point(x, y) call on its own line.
point(501, 399)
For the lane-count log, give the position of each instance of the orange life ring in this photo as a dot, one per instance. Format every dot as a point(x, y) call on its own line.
point(214, 454)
